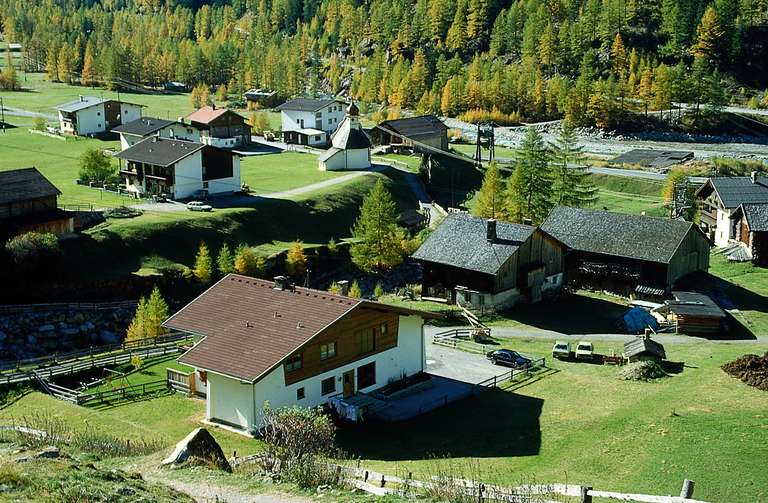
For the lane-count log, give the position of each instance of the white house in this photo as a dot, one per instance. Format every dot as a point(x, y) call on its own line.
point(311, 113)
point(89, 115)
point(179, 168)
point(135, 131)
point(350, 145)
point(271, 342)
point(720, 196)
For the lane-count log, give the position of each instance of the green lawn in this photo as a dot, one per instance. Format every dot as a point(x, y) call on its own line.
point(152, 369)
point(412, 161)
point(747, 288)
point(579, 424)
point(58, 161)
point(283, 171)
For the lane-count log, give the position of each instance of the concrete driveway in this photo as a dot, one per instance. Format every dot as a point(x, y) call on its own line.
point(459, 365)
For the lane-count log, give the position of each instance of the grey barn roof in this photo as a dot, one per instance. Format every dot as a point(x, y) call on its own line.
point(160, 151)
point(735, 190)
point(629, 236)
point(86, 102)
point(756, 216)
point(24, 184)
point(413, 127)
point(306, 104)
point(694, 304)
point(641, 345)
point(461, 241)
point(143, 126)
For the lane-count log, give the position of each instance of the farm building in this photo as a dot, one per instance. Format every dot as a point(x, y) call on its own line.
point(220, 127)
point(350, 145)
point(481, 263)
point(624, 253)
point(28, 202)
point(261, 97)
point(643, 348)
point(89, 115)
point(135, 131)
point(693, 313)
point(720, 196)
point(419, 134)
point(749, 228)
point(306, 136)
point(271, 342)
point(311, 113)
point(178, 168)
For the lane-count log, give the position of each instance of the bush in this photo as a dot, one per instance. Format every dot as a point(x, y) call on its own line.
point(34, 252)
point(39, 124)
point(96, 166)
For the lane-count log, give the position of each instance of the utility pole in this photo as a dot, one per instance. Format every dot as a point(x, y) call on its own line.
point(2, 113)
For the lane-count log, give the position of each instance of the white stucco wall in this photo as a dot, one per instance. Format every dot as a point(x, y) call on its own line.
point(330, 117)
point(188, 176)
point(91, 120)
point(347, 160)
point(181, 131)
point(129, 113)
point(227, 401)
point(723, 227)
point(223, 185)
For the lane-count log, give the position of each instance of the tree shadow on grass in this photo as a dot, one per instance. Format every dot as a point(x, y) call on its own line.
point(493, 424)
point(570, 314)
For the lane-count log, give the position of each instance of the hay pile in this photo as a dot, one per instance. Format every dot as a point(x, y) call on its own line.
point(752, 369)
point(641, 371)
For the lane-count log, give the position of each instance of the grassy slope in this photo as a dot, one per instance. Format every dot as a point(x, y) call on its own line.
point(578, 425)
point(748, 290)
point(285, 171)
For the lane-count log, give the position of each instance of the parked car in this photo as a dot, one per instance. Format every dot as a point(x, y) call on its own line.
point(508, 358)
point(584, 350)
point(561, 350)
point(198, 206)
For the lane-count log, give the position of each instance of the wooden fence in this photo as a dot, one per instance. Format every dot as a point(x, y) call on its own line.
point(123, 393)
point(512, 374)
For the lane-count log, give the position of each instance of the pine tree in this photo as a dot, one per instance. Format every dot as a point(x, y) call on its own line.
point(9, 80)
point(156, 313)
point(64, 64)
point(52, 63)
point(456, 38)
point(88, 77)
point(296, 260)
point(203, 269)
point(529, 190)
point(618, 56)
point(679, 194)
point(708, 35)
point(573, 185)
point(221, 93)
point(247, 263)
point(661, 88)
point(490, 198)
point(136, 329)
point(354, 290)
point(377, 245)
point(225, 262)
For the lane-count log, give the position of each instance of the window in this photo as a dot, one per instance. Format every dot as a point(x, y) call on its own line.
point(301, 123)
point(383, 329)
point(293, 363)
point(98, 114)
point(328, 385)
point(367, 340)
point(330, 121)
point(366, 375)
point(300, 394)
point(327, 350)
point(189, 130)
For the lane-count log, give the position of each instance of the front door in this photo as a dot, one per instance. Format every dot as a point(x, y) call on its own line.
point(349, 383)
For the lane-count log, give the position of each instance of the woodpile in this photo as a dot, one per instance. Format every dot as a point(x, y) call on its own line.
point(752, 369)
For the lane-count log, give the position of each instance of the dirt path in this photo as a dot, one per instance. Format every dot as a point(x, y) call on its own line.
point(205, 492)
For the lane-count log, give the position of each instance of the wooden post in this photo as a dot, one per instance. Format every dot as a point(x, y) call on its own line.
point(365, 479)
point(383, 480)
point(687, 490)
point(585, 497)
point(480, 491)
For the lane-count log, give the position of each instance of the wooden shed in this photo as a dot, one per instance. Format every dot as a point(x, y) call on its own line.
point(693, 313)
point(28, 202)
point(644, 348)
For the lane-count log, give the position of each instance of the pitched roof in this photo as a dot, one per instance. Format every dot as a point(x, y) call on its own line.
point(756, 216)
point(207, 114)
point(461, 241)
point(23, 184)
point(250, 327)
point(87, 102)
point(735, 190)
point(640, 345)
point(160, 151)
point(306, 104)
point(694, 304)
point(629, 236)
point(328, 154)
point(350, 135)
point(413, 127)
point(143, 126)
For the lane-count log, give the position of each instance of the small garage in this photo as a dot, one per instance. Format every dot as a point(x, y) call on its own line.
point(693, 313)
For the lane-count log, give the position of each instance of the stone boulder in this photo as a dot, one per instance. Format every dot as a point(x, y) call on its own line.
point(199, 444)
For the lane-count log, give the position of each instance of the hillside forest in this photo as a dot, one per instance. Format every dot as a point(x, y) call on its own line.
point(586, 60)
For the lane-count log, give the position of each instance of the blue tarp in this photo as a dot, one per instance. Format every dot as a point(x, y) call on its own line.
point(637, 319)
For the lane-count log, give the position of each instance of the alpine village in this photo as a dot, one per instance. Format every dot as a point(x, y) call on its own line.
point(460, 251)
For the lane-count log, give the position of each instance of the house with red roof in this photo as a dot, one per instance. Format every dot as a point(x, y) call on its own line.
point(221, 127)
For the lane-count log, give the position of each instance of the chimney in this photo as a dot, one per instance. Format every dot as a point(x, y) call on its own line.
point(213, 106)
point(82, 98)
point(283, 283)
point(753, 176)
point(343, 287)
point(490, 230)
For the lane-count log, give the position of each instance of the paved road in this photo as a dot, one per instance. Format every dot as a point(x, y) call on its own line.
point(458, 365)
point(18, 112)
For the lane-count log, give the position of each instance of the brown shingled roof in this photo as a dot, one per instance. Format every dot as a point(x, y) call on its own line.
point(250, 327)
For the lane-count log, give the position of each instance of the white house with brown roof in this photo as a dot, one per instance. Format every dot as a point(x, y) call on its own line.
point(90, 115)
point(266, 341)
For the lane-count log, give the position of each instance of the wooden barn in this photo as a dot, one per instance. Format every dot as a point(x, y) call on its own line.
point(693, 314)
point(481, 263)
point(422, 134)
point(28, 202)
point(750, 228)
point(626, 254)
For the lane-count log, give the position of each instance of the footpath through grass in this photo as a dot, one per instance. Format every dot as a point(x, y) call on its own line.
point(579, 425)
point(283, 171)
